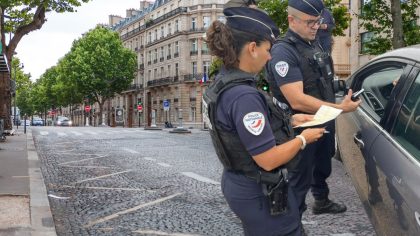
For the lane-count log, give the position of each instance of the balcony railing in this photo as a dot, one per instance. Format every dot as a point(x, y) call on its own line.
point(161, 59)
point(342, 69)
point(168, 57)
point(193, 77)
point(161, 82)
point(194, 53)
point(176, 54)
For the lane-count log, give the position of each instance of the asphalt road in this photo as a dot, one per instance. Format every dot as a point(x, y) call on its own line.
point(121, 181)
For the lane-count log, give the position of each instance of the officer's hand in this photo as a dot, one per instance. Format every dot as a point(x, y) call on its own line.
point(313, 134)
point(298, 119)
point(347, 105)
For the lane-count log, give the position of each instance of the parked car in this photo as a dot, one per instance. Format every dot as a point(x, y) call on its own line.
point(63, 121)
point(37, 121)
point(25, 122)
point(379, 143)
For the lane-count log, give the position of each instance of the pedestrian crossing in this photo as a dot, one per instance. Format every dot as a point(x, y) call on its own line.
point(84, 133)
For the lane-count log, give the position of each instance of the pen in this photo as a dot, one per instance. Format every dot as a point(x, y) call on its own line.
point(326, 132)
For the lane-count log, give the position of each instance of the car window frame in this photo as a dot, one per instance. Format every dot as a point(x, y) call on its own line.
point(371, 68)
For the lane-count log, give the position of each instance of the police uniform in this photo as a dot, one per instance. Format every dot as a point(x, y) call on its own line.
point(324, 35)
point(242, 123)
point(295, 59)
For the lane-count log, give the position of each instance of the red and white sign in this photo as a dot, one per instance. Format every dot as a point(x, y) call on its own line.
point(139, 108)
point(87, 108)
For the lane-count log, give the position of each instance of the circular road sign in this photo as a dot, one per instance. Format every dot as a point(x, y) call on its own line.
point(87, 108)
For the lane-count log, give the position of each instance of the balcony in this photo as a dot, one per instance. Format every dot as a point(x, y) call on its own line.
point(161, 82)
point(205, 52)
point(161, 59)
point(154, 61)
point(194, 53)
point(176, 54)
point(202, 29)
point(168, 57)
point(342, 70)
point(141, 66)
point(134, 87)
point(193, 77)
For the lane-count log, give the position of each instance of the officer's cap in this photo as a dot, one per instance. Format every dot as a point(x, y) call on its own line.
point(310, 7)
point(251, 20)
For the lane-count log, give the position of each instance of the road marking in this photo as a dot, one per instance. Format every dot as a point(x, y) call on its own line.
point(199, 178)
point(43, 133)
point(110, 217)
point(130, 151)
point(309, 222)
point(65, 163)
point(102, 176)
point(61, 134)
point(149, 159)
point(77, 133)
point(163, 164)
point(104, 188)
point(152, 232)
point(92, 167)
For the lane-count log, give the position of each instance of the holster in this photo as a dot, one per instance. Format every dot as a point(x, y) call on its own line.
point(276, 191)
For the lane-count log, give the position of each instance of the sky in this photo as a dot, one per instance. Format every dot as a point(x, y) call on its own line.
point(41, 49)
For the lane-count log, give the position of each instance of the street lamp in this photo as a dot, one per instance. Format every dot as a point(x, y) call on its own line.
point(20, 66)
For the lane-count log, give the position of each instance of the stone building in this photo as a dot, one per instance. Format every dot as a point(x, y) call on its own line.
point(167, 36)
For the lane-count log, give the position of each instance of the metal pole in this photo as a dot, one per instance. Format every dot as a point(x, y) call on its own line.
point(14, 98)
point(24, 126)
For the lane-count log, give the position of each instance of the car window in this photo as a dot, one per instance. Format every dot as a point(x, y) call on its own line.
point(407, 125)
point(378, 87)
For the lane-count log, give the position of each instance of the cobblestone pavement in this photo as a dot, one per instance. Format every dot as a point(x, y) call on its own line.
point(120, 181)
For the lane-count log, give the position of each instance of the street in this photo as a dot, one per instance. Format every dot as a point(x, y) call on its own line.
point(122, 181)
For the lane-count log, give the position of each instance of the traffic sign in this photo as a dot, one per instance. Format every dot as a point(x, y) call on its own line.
point(139, 108)
point(166, 105)
point(87, 108)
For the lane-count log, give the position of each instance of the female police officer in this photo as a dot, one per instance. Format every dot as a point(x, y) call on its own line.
point(252, 134)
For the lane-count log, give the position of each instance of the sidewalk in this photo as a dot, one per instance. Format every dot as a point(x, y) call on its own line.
point(24, 206)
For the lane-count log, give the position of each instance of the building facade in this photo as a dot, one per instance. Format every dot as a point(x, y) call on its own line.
point(173, 58)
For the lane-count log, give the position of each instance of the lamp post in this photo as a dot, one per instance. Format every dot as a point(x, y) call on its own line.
point(14, 94)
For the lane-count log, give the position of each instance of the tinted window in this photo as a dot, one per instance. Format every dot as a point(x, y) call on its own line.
point(378, 87)
point(407, 126)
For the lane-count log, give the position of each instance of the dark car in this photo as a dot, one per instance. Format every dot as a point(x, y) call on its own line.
point(63, 121)
point(36, 121)
point(379, 143)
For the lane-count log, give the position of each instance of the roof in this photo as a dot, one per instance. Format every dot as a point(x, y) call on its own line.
point(410, 52)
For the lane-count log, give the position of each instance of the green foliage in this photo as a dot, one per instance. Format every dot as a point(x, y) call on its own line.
point(382, 27)
point(277, 10)
point(215, 66)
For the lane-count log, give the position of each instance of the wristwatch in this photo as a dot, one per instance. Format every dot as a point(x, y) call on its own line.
point(303, 141)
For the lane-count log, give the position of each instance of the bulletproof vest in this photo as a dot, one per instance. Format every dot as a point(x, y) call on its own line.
point(230, 151)
point(316, 67)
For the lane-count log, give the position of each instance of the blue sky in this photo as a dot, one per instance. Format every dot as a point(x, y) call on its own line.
point(41, 49)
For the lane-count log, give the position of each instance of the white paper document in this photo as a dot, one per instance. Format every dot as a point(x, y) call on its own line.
point(323, 115)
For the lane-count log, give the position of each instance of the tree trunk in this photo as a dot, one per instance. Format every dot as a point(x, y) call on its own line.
point(397, 26)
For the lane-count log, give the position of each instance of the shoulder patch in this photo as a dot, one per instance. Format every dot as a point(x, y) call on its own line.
point(282, 68)
point(254, 122)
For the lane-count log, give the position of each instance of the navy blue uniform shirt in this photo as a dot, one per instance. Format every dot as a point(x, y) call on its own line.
point(285, 61)
point(243, 110)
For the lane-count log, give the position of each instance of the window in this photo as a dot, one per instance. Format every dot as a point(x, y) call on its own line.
point(169, 70)
point(194, 46)
point(162, 72)
point(150, 36)
point(169, 50)
point(206, 21)
point(176, 26)
point(162, 53)
point(169, 29)
point(155, 74)
point(193, 23)
point(162, 32)
point(206, 67)
point(364, 5)
point(176, 69)
point(156, 34)
point(365, 38)
point(204, 48)
point(155, 56)
point(378, 86)
point(194, 67)
point(407, 126)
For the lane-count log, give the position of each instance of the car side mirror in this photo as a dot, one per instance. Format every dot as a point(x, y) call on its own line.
point(340, 87)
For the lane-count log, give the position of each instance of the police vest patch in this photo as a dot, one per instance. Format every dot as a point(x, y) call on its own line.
point(254, 122)
point(282, 68)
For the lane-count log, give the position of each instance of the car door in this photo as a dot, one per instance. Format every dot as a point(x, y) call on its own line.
point(358, 132)
point(397, 155)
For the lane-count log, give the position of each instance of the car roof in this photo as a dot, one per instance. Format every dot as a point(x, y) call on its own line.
point(411, 52)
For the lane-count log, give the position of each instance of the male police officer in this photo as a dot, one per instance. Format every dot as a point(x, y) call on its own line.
point(304, 73)
point(325, 30)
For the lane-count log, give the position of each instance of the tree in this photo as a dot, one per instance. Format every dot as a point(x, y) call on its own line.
point(397, 27)
point(20, 17)
point(99, 66)
point(277, 10)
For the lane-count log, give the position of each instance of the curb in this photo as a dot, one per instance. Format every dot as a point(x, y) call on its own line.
point(42, 222)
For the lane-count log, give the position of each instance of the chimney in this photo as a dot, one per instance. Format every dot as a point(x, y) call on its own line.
point(113, 19)
point(144, 5)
